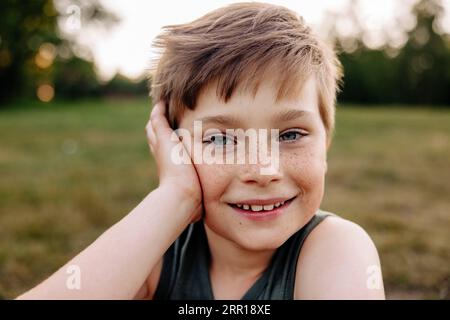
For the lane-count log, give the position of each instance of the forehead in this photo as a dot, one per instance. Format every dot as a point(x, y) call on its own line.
point(244, 104)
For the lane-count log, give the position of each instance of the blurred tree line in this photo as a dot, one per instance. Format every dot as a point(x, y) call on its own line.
point(37, 59)
point(417, 73)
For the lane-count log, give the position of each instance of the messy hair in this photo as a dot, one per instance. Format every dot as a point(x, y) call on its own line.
point(238, 45)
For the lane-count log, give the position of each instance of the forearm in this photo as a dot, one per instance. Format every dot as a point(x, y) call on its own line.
point(116, 265)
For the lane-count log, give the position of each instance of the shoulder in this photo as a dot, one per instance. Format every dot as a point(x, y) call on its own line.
point(338, 260)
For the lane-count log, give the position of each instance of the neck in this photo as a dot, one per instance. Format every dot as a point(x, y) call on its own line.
point(228, 258)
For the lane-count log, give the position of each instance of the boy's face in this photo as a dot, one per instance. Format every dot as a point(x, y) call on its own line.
point(300, 173)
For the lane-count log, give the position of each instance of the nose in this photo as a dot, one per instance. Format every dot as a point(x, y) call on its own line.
point(261, 165)
point(261, 175)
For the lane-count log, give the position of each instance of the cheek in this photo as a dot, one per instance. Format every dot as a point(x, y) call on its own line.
point(214, 180)
point(306, 168)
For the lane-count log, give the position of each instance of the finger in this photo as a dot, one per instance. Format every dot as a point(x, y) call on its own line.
point(151, 137)
point(159, 121)
point(152, 150)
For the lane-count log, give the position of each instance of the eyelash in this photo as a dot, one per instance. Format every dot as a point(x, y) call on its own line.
point(298, 132)
point(210, 140)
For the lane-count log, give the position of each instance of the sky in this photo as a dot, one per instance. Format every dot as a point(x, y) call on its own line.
point(126, 47)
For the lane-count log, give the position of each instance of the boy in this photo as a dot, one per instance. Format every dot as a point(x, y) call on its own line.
point(214, 230)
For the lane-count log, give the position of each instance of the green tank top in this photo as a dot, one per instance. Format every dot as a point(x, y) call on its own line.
point(185, 270)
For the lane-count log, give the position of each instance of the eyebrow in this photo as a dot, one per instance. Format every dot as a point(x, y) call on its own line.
point(291, 114)
point(231, 121)
point(220, 119)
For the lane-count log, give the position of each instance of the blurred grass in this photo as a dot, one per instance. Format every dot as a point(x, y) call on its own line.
point(389, 171)
point(70, 170)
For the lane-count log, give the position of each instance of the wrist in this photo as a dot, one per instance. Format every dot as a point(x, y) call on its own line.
point(188, 199)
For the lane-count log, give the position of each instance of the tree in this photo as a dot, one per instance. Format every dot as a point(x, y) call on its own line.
point(417, 73)
point(424, 61)
point(31, 42)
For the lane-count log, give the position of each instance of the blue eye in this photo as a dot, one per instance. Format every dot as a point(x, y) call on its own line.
point(292, 135)
point(220, 140)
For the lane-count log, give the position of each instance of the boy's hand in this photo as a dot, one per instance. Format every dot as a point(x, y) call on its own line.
point(180, 177)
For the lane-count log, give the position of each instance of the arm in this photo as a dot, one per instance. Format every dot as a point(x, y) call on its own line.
point(338, 261)
point(148, 289)
point(119, 261)
point(117, 264)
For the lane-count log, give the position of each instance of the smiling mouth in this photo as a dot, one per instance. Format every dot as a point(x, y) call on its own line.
point(252, 207)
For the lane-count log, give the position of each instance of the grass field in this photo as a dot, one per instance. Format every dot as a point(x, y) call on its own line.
point(68, 171)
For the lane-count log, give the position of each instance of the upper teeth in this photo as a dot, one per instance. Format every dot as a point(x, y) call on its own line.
point(256, 207)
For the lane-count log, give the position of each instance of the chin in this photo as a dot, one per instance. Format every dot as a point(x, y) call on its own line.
point(254, 239)
point(258, 244)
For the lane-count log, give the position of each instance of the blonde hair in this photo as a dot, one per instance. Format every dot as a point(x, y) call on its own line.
point(240, 45)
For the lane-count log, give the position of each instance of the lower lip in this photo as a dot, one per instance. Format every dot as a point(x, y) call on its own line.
point(263, 215)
